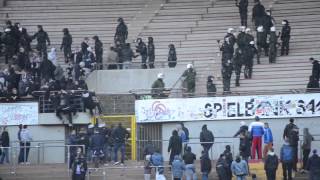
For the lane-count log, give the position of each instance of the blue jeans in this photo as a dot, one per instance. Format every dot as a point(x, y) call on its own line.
point(5, 154)
point(190, 172)
point(116, 148)
point(205, 175)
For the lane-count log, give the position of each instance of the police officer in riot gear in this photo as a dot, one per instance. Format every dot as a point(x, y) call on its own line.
point(241, 37)
point(190, 79)
point(143, 51)
point(226, 70)
point(151, 53)
point(285, 37)
point(250, 51)
point(248, 37)
point(243, 10)
point(42, 39)
point(237, 63)
point(121, 31)
point(261, 42)
point(230, 35)
point(273, 41)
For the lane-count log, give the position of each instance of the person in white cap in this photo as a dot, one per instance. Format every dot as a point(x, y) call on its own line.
point(190, 79)
point(285, 37)
point(243, 10)
point(262, 42)
point(248, 36)
point(230, 35)
point(273, 41)
point(226, 62)
point(158, 87)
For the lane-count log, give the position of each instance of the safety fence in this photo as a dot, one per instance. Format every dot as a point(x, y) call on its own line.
point(107, 173)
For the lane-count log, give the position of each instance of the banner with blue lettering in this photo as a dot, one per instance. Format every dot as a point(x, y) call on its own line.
point(222, 108)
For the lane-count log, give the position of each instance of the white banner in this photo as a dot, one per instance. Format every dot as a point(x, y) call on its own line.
point(233, 107)
point(19, 113)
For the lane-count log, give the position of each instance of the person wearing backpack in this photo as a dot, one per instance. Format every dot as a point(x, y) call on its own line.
point(206, 137)
point(271, 165)
point(313, 166)
point(286, 158)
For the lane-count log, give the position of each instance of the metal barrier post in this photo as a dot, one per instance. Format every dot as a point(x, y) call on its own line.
point(104, 173)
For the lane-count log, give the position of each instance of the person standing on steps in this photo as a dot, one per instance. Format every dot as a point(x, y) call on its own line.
point(66, 44)
point(42, 40)
point(206, 138)
point(211, 87)
point(268, 139)
point(287, 160)
point(121, 31)
point(120, 135)
point(273, 42)
point(172, 56)
point(206, 166)
point(306, 147)
point(257, 131)
point(190, 80)
point(243, 10)
point(291, 134)
point(258, 13)
point(239, 168)
point(238, 61)
point(98, 50)
point(143, 51)
point(271, 165)
point(175, 145)
point(151, 53)
point(5, 143)
point(227, 55)
point(285, 37)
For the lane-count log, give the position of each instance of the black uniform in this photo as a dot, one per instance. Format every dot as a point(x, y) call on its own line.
point(273, 41)
point(42, 38)
point(258, 13)
point(143, 51)
point(121, 31)
point(151, 52)
point(98, 49)
point(262, 44)
point(66, 45)
point(226, 70)
point(9, 41)
point(172, 56)
point(249, 53)
point(237, 63)
point(267, 23)
point(241, 40)
point(25, 40)
point(211, 87)
point(243, 10)
point(285, 38)
point(316, 70)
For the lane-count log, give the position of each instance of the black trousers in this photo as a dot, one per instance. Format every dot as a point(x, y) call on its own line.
point(306, 153)
point(285, 47)
point(271, 174)
point(295, 157)
point(238, 73)
point(243, 17)
point(287, 170)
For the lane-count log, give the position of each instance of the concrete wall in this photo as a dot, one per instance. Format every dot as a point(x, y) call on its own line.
point(122, 81)
point(228, 128)
point(49, 132)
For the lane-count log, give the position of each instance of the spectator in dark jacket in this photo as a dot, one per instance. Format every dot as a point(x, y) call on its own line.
point(125, 56)
point(42, 39)
point(66, 44)
point(98, 50)
point(25, 40)
point(271, 165)
point(258, 12)
point(206, 137)
point(229, 158)
point(313, 166)
point(221, 168)
point(189, 159)
point(121, 31)
point(315, 69)
point(205, 165)
point(90, 102)
point(120, 134)
point(175, 145)
point(47, 70)
point(313, 84)
point(12, 80)
point(5, 143)
point(306, 147)
point(243, 127)
point(143, 51)
point(8, 40)
point(211, 87)
point(151, 52)
point(172, 56)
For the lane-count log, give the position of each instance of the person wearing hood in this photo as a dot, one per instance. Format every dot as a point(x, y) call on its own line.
point(306, 147)
point(25, 40)
point(243, 10)
point(273, 42)
point(229, 158)
point(221, 167)
point(262, 42)
point(211, 87)
point(143, 51)
point(258, 13)
point(268, 139)
point(313, 84)
point(8, 40)
point(66, 44)
point(158, 87)
point(177, 168)
point(151, 52)
point(239, 168)
point(175, 145)
point(287, 160)
point(205, 165)
point(42, 39)
point(313, 166)
point(206, 138)
point(121, 31)
point(190, 79)
point(256, 129)
point(315, 68)
point(285, 37)
point(226, 62)
point(189, 159)
point(271, 165)
point(172, 56)
point(98, 50)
